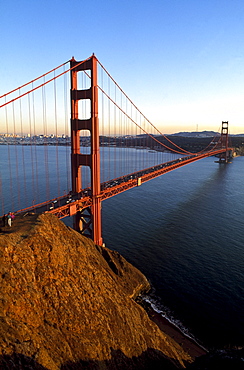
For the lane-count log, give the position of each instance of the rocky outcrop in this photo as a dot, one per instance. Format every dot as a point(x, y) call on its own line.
point(68, 304)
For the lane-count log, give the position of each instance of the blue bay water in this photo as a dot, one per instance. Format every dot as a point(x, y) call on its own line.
point(183, 230)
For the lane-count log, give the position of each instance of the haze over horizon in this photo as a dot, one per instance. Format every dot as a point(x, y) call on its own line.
point(181, 63)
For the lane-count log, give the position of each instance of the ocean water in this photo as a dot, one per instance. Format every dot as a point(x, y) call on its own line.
point(183, 230)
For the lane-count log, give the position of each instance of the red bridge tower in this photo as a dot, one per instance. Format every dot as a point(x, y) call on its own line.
point(224, 157)
point(88, 221)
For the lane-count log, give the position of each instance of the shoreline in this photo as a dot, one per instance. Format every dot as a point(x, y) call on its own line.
point(187, 343)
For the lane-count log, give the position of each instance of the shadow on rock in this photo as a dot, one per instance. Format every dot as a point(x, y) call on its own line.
point(148, 360)
point(18, 361)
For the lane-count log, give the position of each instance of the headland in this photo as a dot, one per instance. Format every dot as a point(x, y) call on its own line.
point(67, 303)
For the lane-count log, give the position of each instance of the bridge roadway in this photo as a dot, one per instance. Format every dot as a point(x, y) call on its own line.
point(70, 204)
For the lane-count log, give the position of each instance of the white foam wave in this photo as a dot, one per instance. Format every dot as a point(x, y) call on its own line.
point(165, 312)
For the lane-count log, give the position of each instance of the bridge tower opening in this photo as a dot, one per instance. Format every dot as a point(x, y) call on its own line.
point(88, 220)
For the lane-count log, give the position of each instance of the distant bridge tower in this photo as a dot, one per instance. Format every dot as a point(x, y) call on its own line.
point(88, 221)
point(224, 157)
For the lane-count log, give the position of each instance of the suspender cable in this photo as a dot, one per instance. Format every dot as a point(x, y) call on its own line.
point(67, 146)
point(41, 85)
point(115, 134)
point(34, 200)
point(131, 120)
point(1, 196)
point(164, 136)
point(23, 152)
point(45, 143)
point(109, 133)
point(9, 161)
point(126, 138)
point(32, 81)
point(101, 125)
point(35, 149)
point(17, 184)
point(56, 134)
point(120, 137)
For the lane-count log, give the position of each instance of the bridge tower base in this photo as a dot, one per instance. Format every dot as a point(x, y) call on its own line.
point(89, 223)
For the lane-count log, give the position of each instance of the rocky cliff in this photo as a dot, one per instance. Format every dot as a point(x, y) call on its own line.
point(69, 304)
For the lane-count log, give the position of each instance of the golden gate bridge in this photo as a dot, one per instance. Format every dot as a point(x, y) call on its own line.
point(98, 117)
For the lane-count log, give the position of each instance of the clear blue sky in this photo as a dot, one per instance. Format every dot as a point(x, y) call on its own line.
point(180, 61)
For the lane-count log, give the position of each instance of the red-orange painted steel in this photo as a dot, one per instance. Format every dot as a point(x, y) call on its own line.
point(93, 203)
point(75, 134)
point(93, 159)
point(86, 202)
point(223, 158)
point(95, 156)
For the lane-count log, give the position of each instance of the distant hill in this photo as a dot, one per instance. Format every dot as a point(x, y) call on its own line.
point(201, 134)
point(196, 134)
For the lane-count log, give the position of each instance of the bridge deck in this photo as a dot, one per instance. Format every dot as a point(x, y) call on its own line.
point(70, 204)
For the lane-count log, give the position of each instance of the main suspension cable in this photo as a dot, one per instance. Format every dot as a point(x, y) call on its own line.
point(45, 83)
point(163, 135)
point(28, 83)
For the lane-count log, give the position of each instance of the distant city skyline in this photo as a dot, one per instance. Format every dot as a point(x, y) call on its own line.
point(181, 63)
point(64, 136)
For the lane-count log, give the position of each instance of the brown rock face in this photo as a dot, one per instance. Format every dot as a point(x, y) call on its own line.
point(68, 304)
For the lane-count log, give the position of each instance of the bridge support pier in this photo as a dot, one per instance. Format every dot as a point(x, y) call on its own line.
point(83, 222)
point(93, 228)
